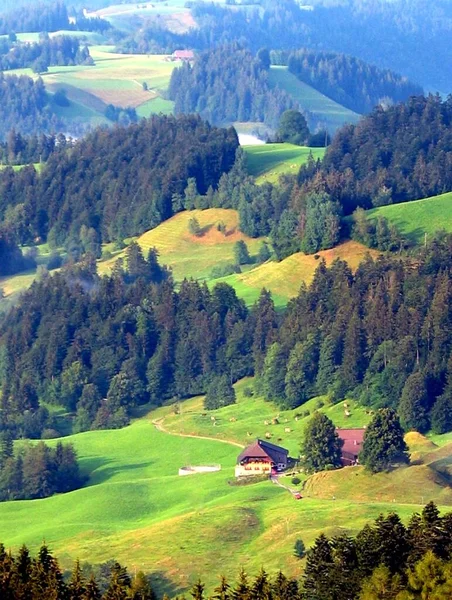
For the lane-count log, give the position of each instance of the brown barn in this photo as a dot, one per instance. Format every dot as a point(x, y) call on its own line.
point(260, 458)
point(353, 442)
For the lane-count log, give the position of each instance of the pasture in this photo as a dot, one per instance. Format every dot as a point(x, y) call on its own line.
point(136, 509)
point(114, 79)
point(191, 256)
point(420, 217)
point(284, 278)
point(325, 111)
point(269, 161)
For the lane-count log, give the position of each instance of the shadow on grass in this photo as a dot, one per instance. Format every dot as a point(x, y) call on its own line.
point(98, 471)
point(161, 584)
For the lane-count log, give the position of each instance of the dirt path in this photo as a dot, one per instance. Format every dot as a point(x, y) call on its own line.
point(158, 424)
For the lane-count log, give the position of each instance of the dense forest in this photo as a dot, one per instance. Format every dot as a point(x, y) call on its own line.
point(384, 561)
point(37, 471)
point(46, 17)
point(407, 37)
point(25, 106)
point(61, 50)
point(229, 84)
point(350, 81)
point(119, 181)
point(11, 258)
point(398, 153)
point(100, 346)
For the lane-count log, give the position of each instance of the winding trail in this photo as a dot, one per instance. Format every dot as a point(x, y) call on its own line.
point(158, 424)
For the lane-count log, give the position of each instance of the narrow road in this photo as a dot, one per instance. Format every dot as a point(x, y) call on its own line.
point(158, 424)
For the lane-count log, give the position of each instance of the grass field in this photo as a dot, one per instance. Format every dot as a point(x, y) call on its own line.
point(269, 161)
point(136, 508)
point(191, 256)
point(324, 110)
point(419, 217)
point(114, 79)
point(284, 278)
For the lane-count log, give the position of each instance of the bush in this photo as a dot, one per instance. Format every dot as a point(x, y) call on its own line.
point(194, 227)
point(296, 480)
point(55, 261)
point(248, 392)
point(224, 271)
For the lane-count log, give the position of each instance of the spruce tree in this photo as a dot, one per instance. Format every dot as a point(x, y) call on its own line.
point(383, 442)
point(413, 404)
point(321, 446)
point(319, 563)
point(241, 253)
point(273, 376)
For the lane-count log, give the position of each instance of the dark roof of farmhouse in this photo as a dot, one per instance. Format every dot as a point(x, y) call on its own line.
point(262, 449)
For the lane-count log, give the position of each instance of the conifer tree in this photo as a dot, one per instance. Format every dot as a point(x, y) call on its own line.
point(321, 447)
point(383, 442)
point(274, 372)
point(413, 405)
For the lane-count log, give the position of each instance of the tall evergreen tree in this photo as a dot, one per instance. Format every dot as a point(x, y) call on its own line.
point(383, 442)
point(321, 447)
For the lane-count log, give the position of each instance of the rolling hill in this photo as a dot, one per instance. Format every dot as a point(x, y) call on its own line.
point(418, 218)
point(324, 110)
point(191, 256)
point(269, 161)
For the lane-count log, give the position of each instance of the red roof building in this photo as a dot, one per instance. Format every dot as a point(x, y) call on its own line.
point(353, 442)
point(185, 55)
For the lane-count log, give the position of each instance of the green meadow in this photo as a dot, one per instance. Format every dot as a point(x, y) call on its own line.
point(267, 162)
point(420, 217)
point(137, 509)
point(331, 114)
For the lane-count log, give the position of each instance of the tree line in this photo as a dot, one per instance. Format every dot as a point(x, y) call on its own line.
point(37, 471)
point(99, 346)
point(25, 107)
point(229, 84)
point(385, 560)
point(47, 17)
point(350, 81)
point(143, 166)
point(381, 336)
point(61, 50)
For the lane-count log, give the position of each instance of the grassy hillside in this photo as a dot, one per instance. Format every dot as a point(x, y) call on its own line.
point(284, 278)
point(137, 509)
point(331, 114)
point(190, 256)
point(420, 217)
point(269, 161)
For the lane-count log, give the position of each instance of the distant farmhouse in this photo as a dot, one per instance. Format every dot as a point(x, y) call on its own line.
point(183, 55)
point(261, 458)
point(353, 442)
